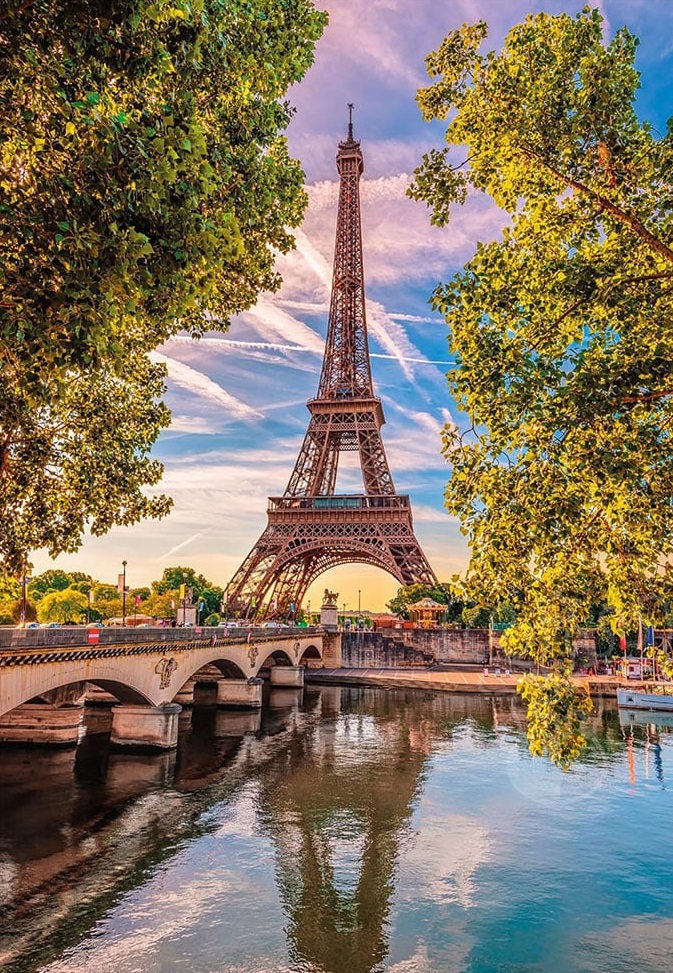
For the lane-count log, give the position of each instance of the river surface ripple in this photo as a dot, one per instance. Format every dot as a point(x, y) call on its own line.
point(343, 830)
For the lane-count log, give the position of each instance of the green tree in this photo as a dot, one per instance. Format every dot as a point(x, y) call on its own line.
point(408, 594)
point(66, 605)
point(106, 602)
point(52, 580)
point(145, 186)
point(164, 605)
point(172, 578)
point(564, 476)
point(211, 595)
point(11, 610)
point(10, 588)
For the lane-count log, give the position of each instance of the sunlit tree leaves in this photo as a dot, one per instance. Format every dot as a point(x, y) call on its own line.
point(145, 186)
point(561, 328)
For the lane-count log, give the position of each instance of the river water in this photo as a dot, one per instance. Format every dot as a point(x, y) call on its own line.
point(343, 830)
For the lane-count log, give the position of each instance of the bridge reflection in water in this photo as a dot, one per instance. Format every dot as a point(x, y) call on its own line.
point(331, 776)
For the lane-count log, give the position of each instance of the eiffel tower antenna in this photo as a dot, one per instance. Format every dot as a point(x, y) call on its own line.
point(310, 528)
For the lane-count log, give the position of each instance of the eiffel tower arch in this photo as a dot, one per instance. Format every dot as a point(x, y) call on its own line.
point(311, 528)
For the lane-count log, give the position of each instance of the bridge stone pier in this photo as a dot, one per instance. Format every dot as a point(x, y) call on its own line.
point(289, 676)
point(242, 692)
point(149, 675)
point(146, 727)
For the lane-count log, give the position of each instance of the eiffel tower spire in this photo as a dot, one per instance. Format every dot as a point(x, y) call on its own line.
point(346, 369)
point(346, 378)
point(310, 528)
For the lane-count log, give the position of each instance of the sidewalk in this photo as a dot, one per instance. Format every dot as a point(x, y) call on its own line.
point(451, 682)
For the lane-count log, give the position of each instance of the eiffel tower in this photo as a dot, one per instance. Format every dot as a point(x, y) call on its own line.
point(311, 528)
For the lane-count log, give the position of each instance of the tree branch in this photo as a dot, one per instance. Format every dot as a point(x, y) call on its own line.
point(633, 222)
point(17, 10)
point(646, 397)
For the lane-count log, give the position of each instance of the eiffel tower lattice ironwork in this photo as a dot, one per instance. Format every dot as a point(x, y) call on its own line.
point(310, 528)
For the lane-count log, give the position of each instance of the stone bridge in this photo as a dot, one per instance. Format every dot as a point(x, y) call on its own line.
point(148, 671)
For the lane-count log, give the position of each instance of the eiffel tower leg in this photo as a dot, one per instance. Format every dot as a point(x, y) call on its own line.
point(376, 474)
point(315, 471)
point(249, 585)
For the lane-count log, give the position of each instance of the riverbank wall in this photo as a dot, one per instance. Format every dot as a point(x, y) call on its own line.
point(363, 649)
point(495, 682)
point(414, 647)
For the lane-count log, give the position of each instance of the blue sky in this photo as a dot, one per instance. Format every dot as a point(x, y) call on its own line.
point(238, 400)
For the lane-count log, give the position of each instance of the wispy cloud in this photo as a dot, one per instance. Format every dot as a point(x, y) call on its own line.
point(179, 547)
point(198, 383)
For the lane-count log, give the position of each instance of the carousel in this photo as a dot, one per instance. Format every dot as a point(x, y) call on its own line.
point(426, 612)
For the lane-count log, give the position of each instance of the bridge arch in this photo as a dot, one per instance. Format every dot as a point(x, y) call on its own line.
point(227, 668)
point(47, 684)
point(278, 657)
point(310, 653)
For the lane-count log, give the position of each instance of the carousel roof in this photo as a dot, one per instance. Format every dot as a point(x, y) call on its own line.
point(427, 604)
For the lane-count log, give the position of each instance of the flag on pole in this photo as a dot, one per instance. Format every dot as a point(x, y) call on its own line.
point(120, 583)
point(622, 643)
point(650, 634)
point(137, 599)
point(639, 643)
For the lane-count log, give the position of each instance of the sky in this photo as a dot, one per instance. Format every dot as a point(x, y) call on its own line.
point(239, 399)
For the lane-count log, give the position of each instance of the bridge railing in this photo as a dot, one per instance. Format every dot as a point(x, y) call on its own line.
point(72, 635)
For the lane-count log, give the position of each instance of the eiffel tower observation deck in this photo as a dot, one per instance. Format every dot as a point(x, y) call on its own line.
point(311, 528)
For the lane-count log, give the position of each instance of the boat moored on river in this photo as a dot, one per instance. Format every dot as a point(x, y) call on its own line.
point(636, 699)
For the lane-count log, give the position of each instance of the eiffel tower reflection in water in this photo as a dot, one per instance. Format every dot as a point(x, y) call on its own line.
point(336, 822)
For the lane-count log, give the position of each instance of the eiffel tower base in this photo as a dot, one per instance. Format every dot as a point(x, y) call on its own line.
point(307, 536)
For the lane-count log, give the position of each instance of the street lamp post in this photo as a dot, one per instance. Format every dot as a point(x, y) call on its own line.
point(24, 583)
point(124, 593)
